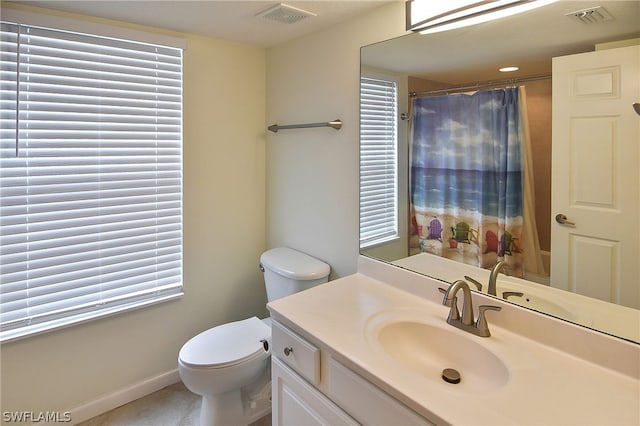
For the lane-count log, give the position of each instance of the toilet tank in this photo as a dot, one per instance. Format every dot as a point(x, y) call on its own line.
point(288, 271)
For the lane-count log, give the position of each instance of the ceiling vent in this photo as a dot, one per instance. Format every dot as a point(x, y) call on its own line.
point(285, 14)
point(592, 15)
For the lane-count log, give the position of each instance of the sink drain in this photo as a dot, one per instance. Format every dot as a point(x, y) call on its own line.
point(450, 375)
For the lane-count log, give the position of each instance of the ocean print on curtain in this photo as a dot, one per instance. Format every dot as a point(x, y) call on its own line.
point(467, 176)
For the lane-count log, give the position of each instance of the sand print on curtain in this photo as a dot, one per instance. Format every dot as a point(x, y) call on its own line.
point(466, 177)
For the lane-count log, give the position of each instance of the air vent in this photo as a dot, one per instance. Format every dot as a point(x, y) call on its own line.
point(592, 15)
point(285, 14)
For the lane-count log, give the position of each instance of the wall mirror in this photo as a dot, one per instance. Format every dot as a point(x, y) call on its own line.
point(461, 61)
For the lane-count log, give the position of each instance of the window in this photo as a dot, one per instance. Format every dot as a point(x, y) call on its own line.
point(378, 161)
point(90, 177)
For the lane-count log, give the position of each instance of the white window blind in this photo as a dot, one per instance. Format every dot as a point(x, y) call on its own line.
point(378, 161)
point(90, 177)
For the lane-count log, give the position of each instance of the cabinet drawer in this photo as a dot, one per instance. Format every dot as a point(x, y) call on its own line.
point(296, 352)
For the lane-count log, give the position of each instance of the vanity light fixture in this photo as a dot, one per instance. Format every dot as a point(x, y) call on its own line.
point(508, 69)
point(428, 16)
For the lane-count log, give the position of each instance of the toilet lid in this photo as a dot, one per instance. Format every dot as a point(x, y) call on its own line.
point(227, 344)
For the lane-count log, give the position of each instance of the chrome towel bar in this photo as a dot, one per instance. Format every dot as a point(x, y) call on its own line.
point(336, 124)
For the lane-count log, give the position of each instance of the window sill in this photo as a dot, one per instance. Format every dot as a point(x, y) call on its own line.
point(37, 329)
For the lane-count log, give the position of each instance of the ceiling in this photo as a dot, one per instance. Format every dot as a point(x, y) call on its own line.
point(528, 40)
point(234, 20)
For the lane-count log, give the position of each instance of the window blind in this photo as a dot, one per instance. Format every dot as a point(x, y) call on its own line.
point(90, 177)
point(378, 161)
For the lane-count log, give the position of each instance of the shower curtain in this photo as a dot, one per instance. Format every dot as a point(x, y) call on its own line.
point(467, 179)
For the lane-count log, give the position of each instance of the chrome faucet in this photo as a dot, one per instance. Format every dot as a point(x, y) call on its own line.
point(466, 321)
point(493, 277)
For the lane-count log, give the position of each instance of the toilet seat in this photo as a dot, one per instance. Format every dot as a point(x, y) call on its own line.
point(226, 345)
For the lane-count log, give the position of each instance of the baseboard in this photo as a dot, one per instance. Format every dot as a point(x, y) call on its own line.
point(123, 396)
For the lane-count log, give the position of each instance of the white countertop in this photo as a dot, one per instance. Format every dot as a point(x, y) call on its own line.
point(544, 385)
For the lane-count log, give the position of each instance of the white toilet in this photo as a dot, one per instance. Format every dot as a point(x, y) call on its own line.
point(229, 365)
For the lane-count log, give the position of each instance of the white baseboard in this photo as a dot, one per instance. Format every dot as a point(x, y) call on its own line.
point(123, 396)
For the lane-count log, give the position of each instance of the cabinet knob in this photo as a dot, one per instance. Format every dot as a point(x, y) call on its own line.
point(287, 351)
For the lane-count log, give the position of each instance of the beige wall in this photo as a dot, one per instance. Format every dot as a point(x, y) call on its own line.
point(311, 186)
point(312, 174)
point(224, 235)
point(539, 110)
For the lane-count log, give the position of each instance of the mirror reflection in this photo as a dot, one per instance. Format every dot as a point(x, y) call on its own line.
point(534, 170)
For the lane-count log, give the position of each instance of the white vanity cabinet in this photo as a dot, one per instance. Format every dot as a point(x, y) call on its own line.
point(309, 387)
point(295, 374)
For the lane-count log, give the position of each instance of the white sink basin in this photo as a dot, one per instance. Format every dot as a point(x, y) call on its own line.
point(427, 349)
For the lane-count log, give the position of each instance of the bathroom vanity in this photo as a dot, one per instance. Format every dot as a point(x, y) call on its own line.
point(371, 348)
point(310, 386)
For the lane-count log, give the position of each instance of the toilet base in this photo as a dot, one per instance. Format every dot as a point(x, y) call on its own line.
point(223, 409)
point(228, 409)
point(238, 407)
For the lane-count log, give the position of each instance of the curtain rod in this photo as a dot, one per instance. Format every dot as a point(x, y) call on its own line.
point(480, 85)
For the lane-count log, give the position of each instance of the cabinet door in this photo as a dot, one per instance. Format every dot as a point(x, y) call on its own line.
point(296, 403)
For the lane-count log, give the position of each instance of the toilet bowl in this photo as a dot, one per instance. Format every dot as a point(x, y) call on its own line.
point(221, 363)
point(229, 365)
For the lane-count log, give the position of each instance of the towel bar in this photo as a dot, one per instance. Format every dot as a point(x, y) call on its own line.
point(336, 124)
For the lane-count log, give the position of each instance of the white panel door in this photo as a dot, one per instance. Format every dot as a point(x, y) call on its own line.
point(595, 178)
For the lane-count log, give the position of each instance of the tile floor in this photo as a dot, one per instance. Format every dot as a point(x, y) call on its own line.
point(171, 406)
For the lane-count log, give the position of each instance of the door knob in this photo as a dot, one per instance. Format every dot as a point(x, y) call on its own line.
point(562, 220)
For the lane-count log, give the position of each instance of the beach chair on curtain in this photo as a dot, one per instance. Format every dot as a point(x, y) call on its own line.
point(493, 245)
point(507, 244)
point(435, 230)
point(461, 232)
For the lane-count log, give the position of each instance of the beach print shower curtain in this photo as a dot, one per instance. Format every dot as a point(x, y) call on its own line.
point(466, 182)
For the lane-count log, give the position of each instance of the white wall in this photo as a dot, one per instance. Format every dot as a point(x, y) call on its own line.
point(224, 235)
point(312, 174)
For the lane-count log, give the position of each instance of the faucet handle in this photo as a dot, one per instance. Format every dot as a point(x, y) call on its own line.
point(507, 294)
point(481, 325)
point(454, 313)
